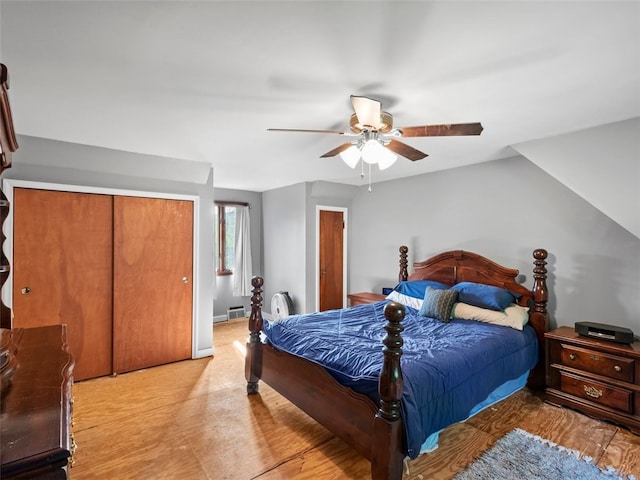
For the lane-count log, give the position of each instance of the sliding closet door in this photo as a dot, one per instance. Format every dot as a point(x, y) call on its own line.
point(153, 261)
point(62, 271)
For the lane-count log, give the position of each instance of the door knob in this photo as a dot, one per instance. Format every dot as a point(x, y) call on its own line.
point(185, 279)
point(25, 291)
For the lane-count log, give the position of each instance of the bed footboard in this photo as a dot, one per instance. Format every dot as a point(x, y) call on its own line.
point(375, 431)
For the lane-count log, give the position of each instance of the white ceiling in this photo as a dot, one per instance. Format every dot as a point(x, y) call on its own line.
point(204, 80)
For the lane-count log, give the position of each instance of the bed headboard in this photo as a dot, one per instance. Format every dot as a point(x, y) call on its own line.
point(457, 266)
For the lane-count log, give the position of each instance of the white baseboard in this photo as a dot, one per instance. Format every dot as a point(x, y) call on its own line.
point(223, 318)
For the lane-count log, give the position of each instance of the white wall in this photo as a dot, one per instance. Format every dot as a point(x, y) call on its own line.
point(41, 160)
point(503, 210)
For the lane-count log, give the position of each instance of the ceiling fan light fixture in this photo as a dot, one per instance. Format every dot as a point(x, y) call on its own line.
point(374, 152)
point(370, 151)
point(351, 156)
point(386, 160)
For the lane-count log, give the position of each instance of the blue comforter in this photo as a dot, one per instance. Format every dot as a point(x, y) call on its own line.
point(447, 368)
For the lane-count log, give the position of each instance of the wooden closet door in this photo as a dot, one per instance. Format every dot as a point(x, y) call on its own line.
point(153, 262)
point(62, 271)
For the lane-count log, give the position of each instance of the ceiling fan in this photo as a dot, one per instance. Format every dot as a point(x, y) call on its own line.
point(376, 140)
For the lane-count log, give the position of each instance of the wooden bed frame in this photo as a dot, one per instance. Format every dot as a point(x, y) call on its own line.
point(376, 431)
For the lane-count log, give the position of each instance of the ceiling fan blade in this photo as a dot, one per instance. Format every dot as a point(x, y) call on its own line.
point(444, 130)
point(405, 150)
point(367, 110)
point(337, 150)
point(335, 132)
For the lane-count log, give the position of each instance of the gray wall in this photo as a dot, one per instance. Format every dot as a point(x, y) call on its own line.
point(503, 210)
point(321, 194)
point(290, 250)
point(284, 220)
point(601, 164)
point(41, 160)
point(224, 297)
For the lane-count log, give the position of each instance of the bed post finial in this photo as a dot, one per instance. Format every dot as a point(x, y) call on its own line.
point(404, 274)
point(387, 452)
point(540, 292)
point(255, 319)
point(253, 360)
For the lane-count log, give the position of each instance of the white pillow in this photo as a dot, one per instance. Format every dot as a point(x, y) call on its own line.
point(405, 300)
point(514, 316)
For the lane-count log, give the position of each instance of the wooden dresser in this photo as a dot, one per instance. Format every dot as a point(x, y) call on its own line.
point(597, 377)
point(35, 437)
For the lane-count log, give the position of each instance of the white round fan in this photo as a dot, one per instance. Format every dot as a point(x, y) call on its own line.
point(281, 306)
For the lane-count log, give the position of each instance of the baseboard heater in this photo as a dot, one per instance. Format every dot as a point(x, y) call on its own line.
point(235, 312)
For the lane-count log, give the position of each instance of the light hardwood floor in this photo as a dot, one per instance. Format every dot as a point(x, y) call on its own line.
point(193, 420)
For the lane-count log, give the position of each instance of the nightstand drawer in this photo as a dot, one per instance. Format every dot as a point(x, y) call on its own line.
point(614, 397)
point(364, 297)
point(597, 362)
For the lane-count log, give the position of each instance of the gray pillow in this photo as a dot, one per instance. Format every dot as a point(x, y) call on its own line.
point(438, 303)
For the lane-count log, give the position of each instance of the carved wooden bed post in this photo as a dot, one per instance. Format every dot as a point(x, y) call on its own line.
point(387, 448)
point(540, 315)
point(253, 362)
point(540, 292)
point(403, 273)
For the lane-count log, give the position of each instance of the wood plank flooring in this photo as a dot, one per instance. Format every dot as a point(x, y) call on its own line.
point(193, 420)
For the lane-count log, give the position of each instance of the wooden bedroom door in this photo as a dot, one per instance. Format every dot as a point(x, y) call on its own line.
point(62, 271)
point(153, 262)
point(331, 266)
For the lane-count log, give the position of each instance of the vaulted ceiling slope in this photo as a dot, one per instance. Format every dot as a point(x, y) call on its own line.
point(202, 81)
point(601, 164)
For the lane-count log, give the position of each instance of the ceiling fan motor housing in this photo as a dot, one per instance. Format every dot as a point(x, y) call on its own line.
point(385, 125)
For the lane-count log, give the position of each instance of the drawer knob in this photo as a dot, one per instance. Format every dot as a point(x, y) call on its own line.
point(617, 368)
point(572, 356)
point(593, 391)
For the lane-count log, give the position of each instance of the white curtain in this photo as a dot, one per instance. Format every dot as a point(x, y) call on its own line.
point(243, 268)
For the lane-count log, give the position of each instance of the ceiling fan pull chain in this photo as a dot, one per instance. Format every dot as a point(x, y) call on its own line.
point(369, 177)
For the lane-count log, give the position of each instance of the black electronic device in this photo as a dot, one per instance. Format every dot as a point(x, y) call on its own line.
point(605, 332)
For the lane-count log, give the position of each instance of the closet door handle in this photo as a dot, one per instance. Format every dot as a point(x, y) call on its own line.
point(185, 279)
point(25, 290)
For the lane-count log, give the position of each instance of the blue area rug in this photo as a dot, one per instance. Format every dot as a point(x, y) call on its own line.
point(521, 455)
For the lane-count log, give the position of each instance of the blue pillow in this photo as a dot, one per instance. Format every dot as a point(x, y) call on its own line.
point(438, 303)
point(484, 296)
point(416, 288)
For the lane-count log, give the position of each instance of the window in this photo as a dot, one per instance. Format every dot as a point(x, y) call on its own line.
point(225, 236)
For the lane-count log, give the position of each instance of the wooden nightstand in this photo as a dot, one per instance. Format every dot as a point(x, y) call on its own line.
point(364, 297)
point(596, 377)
